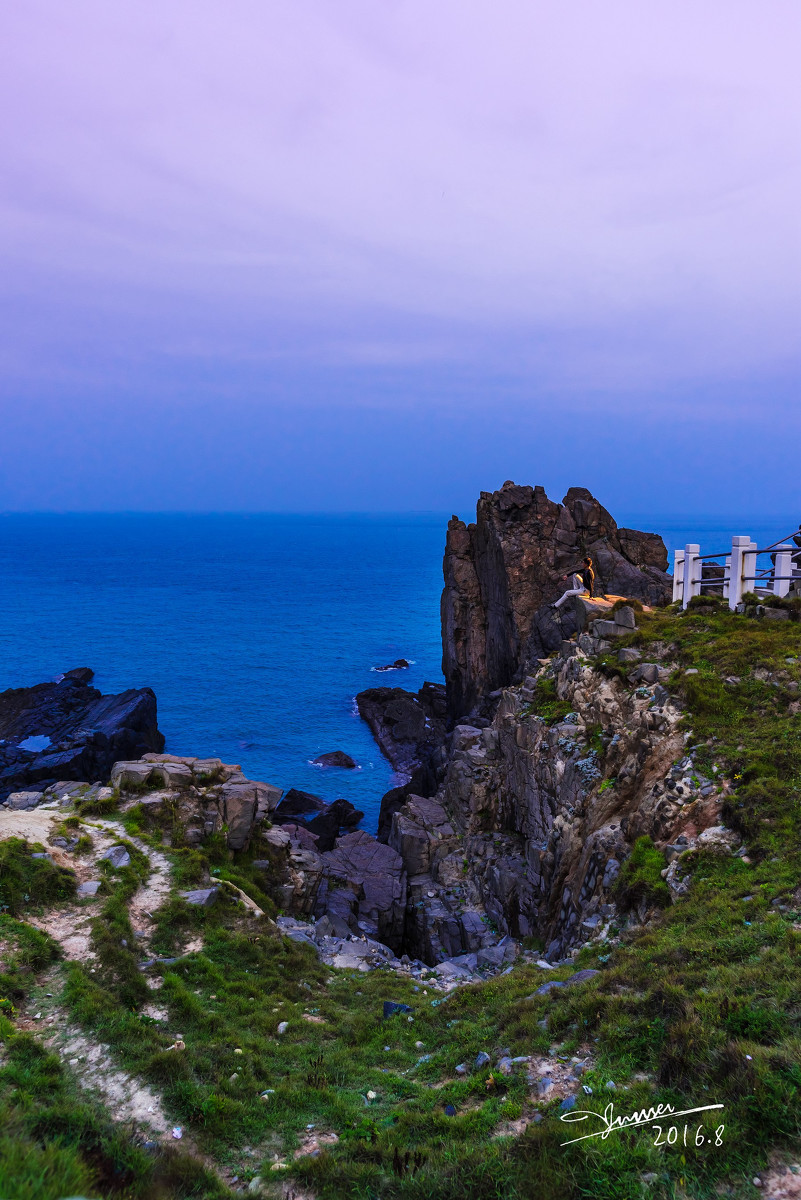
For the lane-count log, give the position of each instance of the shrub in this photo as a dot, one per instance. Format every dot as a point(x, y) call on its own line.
point(641, 876)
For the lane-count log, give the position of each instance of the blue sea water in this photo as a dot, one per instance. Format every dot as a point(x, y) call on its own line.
point(255, 632)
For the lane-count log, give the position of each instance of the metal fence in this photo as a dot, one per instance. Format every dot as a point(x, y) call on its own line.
point(740, 572)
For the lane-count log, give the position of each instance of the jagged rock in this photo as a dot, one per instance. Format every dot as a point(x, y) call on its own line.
point(410, 729)
point(502, 571)
point(334, 820)
point(335, 758)
point(400, 664)
point(86, 731)
point(374, 876)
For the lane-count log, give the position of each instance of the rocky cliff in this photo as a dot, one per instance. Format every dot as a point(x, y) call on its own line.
point(503, 571)
point(539, 808)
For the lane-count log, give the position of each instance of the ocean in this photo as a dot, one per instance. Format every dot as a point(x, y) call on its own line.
point(254, 631)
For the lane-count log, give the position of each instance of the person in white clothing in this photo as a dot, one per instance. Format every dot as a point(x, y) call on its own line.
point(583, 581)
point(576, 590)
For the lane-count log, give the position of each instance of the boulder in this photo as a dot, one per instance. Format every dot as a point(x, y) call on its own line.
point(297, 804)
point(24, 800)
point(335, 758)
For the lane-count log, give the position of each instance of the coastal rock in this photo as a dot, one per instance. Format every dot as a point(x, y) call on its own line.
point(503, 572)
point(335, 758)
point(400, 664)
point(79, 732)
point(298, 804)
point(409, 728)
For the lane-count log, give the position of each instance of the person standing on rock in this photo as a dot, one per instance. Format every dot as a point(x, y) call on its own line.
point(583, 581)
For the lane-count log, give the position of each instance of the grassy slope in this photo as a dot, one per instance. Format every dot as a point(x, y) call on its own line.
point(704, 1005)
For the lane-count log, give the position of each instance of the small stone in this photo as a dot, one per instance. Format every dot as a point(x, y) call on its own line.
point(177, 1133)
point(757, 1182)
point(461, 1069)
point(568, 1103)
point(450, 1111)
point(482, 1060)
point(391, 1007)
point(238, 1051)
point(282, 1027)
point(610, 1086)
point(118, 856)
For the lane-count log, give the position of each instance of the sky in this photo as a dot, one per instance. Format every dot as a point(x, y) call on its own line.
point(384, 254)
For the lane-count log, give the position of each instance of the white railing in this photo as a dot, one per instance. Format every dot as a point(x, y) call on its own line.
point(741, 572)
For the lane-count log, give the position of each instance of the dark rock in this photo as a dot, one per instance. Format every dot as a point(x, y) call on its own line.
point(399, 664)
point(335, 818)
point(391, 1007)
point(503, 571)
point(297, 804)
point(374, 877)
point(335, 758)
point(409, 728)
point(87, 732)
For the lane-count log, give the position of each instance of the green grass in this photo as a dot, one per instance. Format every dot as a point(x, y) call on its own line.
point(28, 883)
point(546, 703)
point(704, 1004)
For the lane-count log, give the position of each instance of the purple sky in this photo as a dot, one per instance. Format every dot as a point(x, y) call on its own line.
point(383, 254)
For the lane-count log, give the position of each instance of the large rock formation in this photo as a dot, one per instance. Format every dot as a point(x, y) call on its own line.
point(536, 816)
point(67, 730)
point(502, 572)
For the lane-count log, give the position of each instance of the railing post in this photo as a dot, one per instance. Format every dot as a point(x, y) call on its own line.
point(678, 574)
point(726, 577)
point(782, 570)
point(739, 545)
point(692, 569)
point(750, 567)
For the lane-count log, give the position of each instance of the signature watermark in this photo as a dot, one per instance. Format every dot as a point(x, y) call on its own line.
point(657, 1117)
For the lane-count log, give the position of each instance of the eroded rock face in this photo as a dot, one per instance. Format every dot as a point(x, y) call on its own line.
point(86, 731)
point(534, 821)
point(410, 728)
point(502, 571)
point(203, 795)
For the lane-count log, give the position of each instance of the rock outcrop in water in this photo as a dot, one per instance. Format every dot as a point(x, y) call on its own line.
point(79, 733)
point(503, 572)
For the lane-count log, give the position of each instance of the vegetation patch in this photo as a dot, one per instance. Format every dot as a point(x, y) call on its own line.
point(28, 883)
